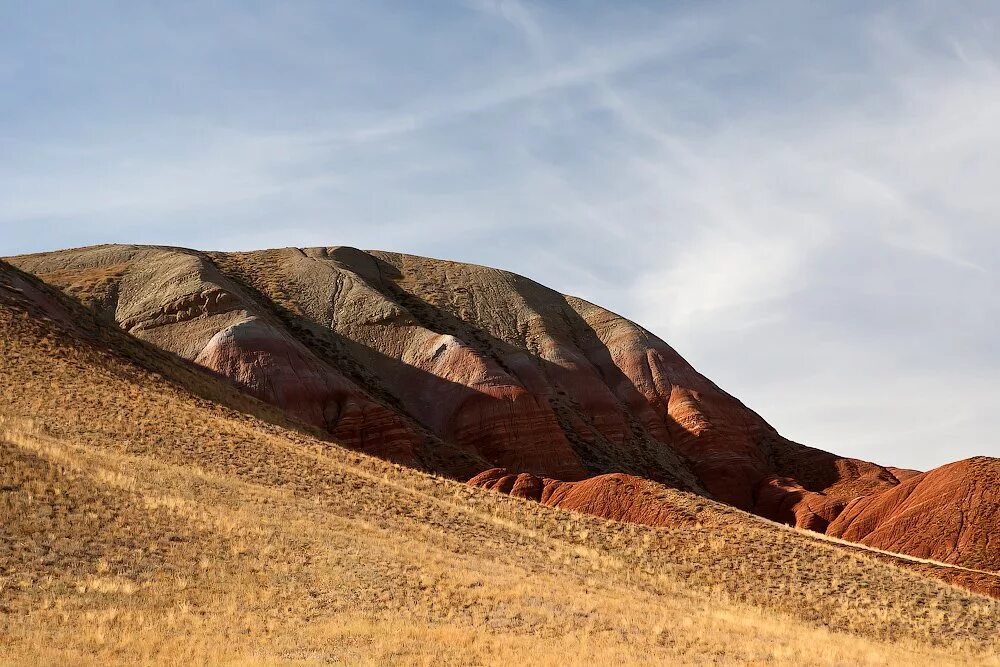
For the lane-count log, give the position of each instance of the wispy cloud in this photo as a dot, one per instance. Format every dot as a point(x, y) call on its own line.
point(805, 210)
point(583, 71)
point(522, 19)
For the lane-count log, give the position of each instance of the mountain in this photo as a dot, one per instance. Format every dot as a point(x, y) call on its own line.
point(154, 513)
point(485, 376)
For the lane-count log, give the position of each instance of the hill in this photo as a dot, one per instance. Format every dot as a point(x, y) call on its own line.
point(459, 369)
point(152, 518)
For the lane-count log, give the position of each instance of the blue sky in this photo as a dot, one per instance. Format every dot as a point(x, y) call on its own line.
point(800, 197)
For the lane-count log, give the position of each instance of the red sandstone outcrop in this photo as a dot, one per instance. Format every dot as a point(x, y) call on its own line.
point(613, 496)
point(950, 514)
point(273, 366)
point(785, 500)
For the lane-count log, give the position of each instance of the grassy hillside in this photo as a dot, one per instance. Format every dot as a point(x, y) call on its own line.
point(457, 369)
point(148, 523)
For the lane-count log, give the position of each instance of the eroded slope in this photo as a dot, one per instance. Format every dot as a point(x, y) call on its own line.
point(457, 369)
point(230, 539)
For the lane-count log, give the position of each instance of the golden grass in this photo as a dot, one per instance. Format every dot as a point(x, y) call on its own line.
point(144, 525)
point(202, 567)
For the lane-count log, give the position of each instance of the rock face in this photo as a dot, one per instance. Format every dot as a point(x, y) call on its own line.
point(462, 369)
point(613, 496)
point(273, 366)
point(950, 514)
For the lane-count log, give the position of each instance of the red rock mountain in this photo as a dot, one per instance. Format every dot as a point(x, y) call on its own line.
point(473, 372)
point(950, 514)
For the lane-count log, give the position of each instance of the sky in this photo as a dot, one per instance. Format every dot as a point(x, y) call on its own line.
point(802, 198)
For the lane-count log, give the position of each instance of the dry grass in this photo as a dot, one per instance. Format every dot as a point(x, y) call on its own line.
point(192, 566)
point(143, 525)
